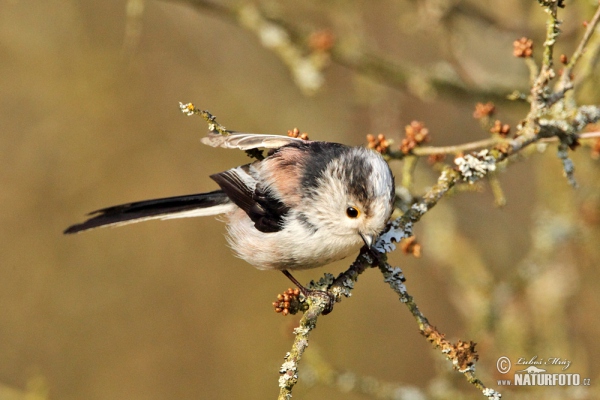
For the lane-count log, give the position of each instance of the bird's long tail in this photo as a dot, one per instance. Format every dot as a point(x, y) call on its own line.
point(193, 205)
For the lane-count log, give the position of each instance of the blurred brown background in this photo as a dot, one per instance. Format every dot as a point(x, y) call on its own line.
point(89, 96)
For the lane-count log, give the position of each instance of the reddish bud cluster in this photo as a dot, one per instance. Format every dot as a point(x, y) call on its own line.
point(379, 143)
point(484, 110)
point(523, 48)
point(295, 133)
point(287, 302)
point(563, 59)
point(436, 158)
point(462, 354)
point(410, 245)
point(416, 134)
point(322, 40)
point(500, 128)
point(561, 71)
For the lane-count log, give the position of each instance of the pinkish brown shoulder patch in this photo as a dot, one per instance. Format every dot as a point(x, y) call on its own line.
point(283, 172)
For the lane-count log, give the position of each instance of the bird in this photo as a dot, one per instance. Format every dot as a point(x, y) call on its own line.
point(306, 204)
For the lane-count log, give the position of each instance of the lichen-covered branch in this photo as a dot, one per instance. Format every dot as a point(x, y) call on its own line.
point(539, 89)
point(214, 126)
point(461, 354)
point(340, 287)
point(211, 120)
point(289, 369)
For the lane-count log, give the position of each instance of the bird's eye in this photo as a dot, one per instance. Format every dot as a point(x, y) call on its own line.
point(352, 212)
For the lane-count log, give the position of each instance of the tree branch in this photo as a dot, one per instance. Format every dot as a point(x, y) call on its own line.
point(291, 44)
point(565, 82)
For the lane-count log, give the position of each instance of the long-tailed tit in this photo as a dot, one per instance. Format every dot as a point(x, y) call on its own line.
point(307, 204)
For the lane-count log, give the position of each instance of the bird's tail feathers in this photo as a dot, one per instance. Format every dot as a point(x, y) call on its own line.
point(194, 205)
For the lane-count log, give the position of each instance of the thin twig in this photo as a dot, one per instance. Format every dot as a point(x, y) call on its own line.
point(539, 89)
point(533, 69)
point(214, 126)
point(590, 60)
point(461, 354)
point(471, 146)
point(565, 79)
point(408, 168)
point(461, 148)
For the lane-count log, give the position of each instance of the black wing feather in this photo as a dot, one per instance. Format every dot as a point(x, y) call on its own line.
point(262, 207)
point(235, 188)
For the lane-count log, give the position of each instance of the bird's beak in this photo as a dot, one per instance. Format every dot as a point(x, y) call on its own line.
point(368, 239)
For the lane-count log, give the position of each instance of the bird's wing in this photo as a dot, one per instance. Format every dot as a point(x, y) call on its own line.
point(247, 141)
point(265, 210)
